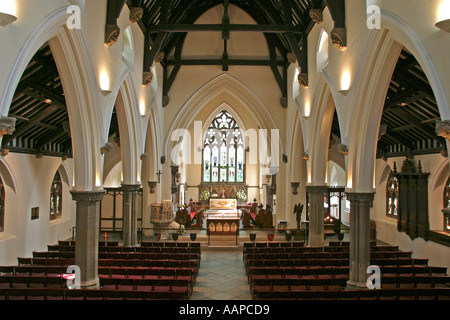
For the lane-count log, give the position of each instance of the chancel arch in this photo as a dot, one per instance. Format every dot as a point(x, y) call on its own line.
point(223, 93)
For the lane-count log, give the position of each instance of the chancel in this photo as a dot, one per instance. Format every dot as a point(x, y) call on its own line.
point(224, 150)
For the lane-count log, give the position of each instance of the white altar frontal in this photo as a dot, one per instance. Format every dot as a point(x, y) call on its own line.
point(223, 208)
point(223, 216)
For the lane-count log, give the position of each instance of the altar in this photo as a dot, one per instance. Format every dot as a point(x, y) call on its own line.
point(223, 217)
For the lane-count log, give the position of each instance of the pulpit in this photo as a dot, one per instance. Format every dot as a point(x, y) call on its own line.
point(161, 217)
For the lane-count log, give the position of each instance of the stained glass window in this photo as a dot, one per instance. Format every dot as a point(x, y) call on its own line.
point(447, 194)
point(2, 206)
point(56, 197)
point(446, 206)
point(223, 155)
point(392, 196)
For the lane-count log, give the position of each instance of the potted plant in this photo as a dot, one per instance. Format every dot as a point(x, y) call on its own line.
point(241, 196)
point(205, 195)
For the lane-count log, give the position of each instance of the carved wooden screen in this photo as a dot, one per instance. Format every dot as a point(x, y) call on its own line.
point(413, 201)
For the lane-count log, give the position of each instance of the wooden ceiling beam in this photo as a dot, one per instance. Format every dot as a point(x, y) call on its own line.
point(176, 28)
point(37, 118)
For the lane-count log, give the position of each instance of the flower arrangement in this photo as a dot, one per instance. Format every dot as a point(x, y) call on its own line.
point(205, 195)
point(241, 195)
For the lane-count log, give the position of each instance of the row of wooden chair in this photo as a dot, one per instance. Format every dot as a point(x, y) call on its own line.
point(119, 249)
point(385, 294)
point(332, 272)
point(328, 279)
point(143, 272)
point(280, 263)
point(85, 294)
point(100, 243)
point(326, 255)
point(250, 250)
point(163, 280)
point(294, 244)
point(300, 244)
point(122, 255)
point(168, 244)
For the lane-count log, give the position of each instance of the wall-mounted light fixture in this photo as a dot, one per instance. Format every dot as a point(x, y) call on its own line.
point(444, 16)
point(105, 83)
point(307, 111)
point(345, 83)
point(444, 25)
point(7, 12)
point(142, 109)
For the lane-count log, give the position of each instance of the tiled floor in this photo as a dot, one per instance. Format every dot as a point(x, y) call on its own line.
point(221, 276)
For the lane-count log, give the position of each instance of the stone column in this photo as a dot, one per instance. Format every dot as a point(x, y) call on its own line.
point(130, 214)
point(87, 233)
point(316, 207)
point(360, 204)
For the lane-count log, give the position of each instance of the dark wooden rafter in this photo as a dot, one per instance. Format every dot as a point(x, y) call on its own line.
point(410, 113)
point(284, 23)
point(339, 33)
point(151, 52)
point(40, 109)
point(300, 51)
point(112, 30)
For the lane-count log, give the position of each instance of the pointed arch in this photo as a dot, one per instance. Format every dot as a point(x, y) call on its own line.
point(323, 48)
point(323, 108)
point(7, 175)
point(376, 72)
point(70, 53)
point(126, 105)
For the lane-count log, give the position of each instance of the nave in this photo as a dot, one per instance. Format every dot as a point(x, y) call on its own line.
point(260, 270)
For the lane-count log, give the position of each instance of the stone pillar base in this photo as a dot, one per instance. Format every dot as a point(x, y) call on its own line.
point(92, 284)
point(353, 285)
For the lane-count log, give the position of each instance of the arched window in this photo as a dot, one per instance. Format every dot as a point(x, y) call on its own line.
point(223, 152)
point(392, 196)
point(128, 48)
point(447, 194)
point(323, 51)
point(447, 206)
point(2, 206)
point(56, 197)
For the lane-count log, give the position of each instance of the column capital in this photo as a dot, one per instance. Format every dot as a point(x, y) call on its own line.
point(7, 126)
point(131, 187)
point(88, 196)
point(363, 198)
point(443, 129)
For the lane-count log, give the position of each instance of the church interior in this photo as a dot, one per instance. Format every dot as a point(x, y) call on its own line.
point(224, 150)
